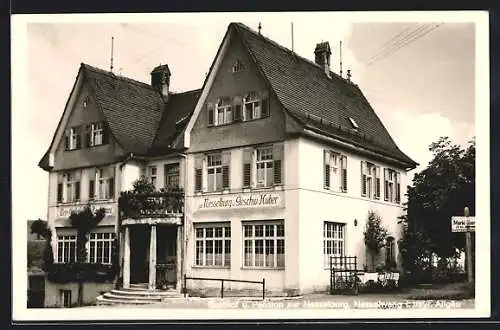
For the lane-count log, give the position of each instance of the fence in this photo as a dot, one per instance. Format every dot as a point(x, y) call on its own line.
point(343, 274)
point(222, 280)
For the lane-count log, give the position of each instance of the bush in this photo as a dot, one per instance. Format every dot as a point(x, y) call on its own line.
point(84, 272)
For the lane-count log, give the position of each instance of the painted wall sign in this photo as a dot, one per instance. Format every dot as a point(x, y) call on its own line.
point(238, 201)
point(459, 224)
point(65, 211)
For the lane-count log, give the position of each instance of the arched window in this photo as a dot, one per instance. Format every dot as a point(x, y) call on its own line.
point(251, 106)
point(224, 113)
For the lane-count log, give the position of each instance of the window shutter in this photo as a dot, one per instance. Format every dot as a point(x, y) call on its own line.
point(59, 192)
point(386, 186)
point(88, 142)
point(66, 140)
point(91, 189)
point(105, 133)
point(77, 190)
point(363, 178)
point(265, 104)
point(398, 189)
point(377, 182)
point(78, 132)
point(278, 163)
point(226, 160)
point(247, 168)
point(237, 108)
point(198, 172)
point(326, 174)
point(111, 187)
point(344, 173)
point(210, 109)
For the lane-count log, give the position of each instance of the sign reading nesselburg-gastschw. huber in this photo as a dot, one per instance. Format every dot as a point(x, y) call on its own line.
point(241, 201)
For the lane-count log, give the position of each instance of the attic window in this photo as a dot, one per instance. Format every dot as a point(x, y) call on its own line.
point(85, 102)
point(353, 123)
point(238, 66)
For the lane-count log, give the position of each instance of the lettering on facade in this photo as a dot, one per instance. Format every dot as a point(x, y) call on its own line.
point(66, 211)
point(241, 201)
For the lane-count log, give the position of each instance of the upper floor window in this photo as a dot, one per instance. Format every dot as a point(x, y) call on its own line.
point(171, 176)
point(73, 138)
point(370, 180)
point(335, 171)
point(392, 185)
point(152, 175)
point(97, 134)
point(68, 187)
point(212, 172)
point(227, 110)
point(105, 178)
point(263, 166)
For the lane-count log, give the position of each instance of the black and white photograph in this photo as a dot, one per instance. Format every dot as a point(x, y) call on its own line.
point(196, 166)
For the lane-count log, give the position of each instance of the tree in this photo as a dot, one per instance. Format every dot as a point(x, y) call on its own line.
point(375, 235)
point(40, 228)
point(441, 191)
point(84, 221)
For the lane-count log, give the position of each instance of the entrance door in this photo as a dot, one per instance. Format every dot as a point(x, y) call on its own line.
point(166, 258)
point(139, 253)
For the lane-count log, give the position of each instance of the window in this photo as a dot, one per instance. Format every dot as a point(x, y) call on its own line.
point(392, 186)
point(72, 186)
point(389, 251)
point(172, 176)
point(213, 245)
point(97, 134)
point(370, 180)
point(152, 175)
point(221, 113)
point(262, 167)
point(251, 106)
point(66, 248)
point(333, 240)
point(100, 248)
point(105, 183)
point(335, 171)
point(353, 123)
point(212, 172)
point(65, 298)
point(73, 138)
point(264, 245)
point(238, 66)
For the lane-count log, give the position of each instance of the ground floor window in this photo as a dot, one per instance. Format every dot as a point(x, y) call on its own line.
point(333, 240)
point(66, 248)
point(100, 247)
point(213, 244)
point(65, 298)
point(390, 260)
point(264, 244)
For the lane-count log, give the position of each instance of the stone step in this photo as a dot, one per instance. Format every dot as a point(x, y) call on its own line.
point(112, 295)
point(102, 300)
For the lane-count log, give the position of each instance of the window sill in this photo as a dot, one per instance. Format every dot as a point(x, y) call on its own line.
point(237, 122)
point(262, 268)
point(211, 267)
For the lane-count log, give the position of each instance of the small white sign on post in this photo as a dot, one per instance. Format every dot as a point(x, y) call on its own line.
point(459, 224)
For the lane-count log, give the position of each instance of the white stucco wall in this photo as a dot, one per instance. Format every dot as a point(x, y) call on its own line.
point(130, 172)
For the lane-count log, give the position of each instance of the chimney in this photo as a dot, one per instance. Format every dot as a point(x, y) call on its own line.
point(160, 80)
point(322, 56)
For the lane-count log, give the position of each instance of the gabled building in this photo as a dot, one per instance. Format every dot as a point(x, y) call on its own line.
point(280, 160)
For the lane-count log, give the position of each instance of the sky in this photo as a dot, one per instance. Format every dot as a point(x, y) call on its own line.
point(421, 87)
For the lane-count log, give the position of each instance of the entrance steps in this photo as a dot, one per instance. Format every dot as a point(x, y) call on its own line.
point(136, 295)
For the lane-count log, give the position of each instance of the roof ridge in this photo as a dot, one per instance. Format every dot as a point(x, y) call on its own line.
point(291, 52)
point(187, 92)
point(111, 74)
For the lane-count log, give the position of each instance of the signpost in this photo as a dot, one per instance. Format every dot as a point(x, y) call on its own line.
point(465, 224)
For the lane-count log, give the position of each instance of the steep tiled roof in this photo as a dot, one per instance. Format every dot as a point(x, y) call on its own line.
point(132, 109)
point(173, 122)
point(318, 102)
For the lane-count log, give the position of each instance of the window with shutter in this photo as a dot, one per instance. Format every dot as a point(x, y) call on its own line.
point(91, 189)
point(363, 178)
point(77, 190)
point(386, 185)
point(344, 173)
point(59, 192)
point(247, 168)
point(223, 112)
point(265, 104)
point(214, 172)
point(326, 174)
